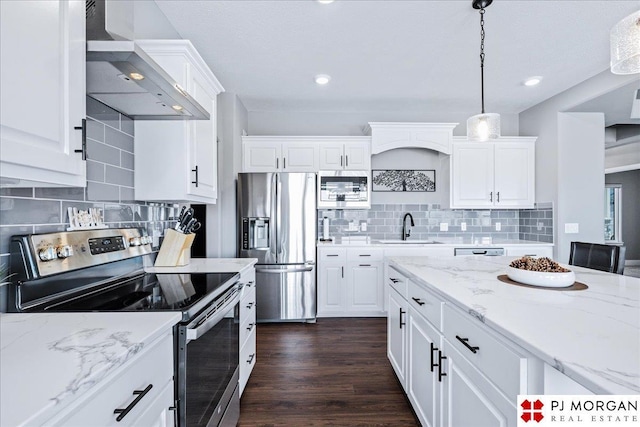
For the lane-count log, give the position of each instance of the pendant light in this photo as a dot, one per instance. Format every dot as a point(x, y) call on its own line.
point(625, 45)
point(483, 126)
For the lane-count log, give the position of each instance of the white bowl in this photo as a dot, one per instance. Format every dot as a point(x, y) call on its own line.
point(541, 278)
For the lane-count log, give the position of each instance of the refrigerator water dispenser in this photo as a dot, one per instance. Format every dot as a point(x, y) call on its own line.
point(255, 233)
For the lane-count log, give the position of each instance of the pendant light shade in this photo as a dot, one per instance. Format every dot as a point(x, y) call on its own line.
point(483, 126)
point(625, 45)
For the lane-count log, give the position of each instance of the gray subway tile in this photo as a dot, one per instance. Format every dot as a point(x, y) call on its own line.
point(29, 211)
point(70, 193)
point(118, 213)
point(16, 192)
point(118, 139)
point(95, 130)
point(95, 171)
point(6, 231)
point(102, 192)
point(119, 176)
point(127, 125)
point(100, 152)
point(50, 228)
point(127, 160)
point(127, 194)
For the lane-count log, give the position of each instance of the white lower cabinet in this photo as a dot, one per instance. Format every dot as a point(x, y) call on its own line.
point(350, 282)
point(455, 371)
point(144, 385)
point(247, 320)
point(534, 251)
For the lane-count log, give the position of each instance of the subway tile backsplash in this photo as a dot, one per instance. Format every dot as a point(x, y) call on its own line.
point(384, 221)
point(110, 187)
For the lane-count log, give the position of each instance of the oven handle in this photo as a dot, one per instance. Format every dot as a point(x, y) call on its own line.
point(195, 333)
point(283, 270)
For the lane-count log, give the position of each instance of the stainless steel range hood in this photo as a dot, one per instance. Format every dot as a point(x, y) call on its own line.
point(121, 75)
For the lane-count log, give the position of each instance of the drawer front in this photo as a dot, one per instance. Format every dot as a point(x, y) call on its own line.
point(425, 303)
point(247, 302)
point(364, 255)
point(154, 366)
point(247, 323)
point(397, 281)
point(504, 366)
point(332, 254)
point(247, 359)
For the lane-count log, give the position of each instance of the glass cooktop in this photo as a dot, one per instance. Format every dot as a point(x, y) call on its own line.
point(151, 292)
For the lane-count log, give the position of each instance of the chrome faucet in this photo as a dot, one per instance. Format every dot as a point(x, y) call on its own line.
point(406, 232)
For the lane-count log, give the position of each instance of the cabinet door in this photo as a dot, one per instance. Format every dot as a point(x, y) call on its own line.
point(43, 91)
point(261, 156)
point(534, 251)
point(423, 387)
point(469, 398)
point(331, 289)
point(331, 156)
point(397, 335)
point(202, 177)
point(365, 287)
point(514, 166)
point(357, 155)
point(472, 175)
point(299, 157)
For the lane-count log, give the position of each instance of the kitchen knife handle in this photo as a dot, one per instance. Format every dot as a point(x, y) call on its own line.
point(83, 128)
point(196, 171)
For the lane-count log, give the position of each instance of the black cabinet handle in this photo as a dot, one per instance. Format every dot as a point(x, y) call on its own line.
point(365, 265)
point(340, 160)
point(346, 160)
point(440, 373)
point(277, 162)
point(284, 163)
point(464, 341)
point(140, 394)
point(498, 197)
point(491, 196)
point(250, 359)
point(250, 305)
point(342, 269)
point(418, 300)
point(401, 322)
point(332, 255)
point(83, 128)
point(196, 171)
point(394, 280)
point(364, 255)
point(433, 349)
point(250, 327)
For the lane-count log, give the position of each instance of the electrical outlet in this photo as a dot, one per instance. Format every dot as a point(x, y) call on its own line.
point(444, 226)
point(498, 226)
point(540, 225)
point(463, 226)
point(363, 226)
point(571, 228)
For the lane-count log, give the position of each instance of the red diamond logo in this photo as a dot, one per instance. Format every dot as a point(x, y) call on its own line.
point(532, 411)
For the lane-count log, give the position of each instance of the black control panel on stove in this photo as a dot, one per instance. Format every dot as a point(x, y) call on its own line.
point(103, 245)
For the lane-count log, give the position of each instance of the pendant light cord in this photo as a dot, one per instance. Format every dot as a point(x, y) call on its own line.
point(482, 57)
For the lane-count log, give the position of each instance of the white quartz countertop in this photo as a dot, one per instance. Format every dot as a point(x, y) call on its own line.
point(592, 336)
point(208, 265)
point(457, 242)
point(48, 360)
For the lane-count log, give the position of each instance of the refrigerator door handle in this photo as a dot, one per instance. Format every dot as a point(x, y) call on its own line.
point(273, 243)
point(284, 270)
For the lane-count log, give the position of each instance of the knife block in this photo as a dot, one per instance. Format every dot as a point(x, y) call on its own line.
point(175, 250)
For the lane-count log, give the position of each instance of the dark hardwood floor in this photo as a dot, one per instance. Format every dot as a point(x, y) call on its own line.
point(334, 372)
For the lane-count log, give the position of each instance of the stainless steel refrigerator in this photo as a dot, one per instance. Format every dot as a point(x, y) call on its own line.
point(277, 225)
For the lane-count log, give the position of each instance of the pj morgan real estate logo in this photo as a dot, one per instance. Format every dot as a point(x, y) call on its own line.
point(578, 410)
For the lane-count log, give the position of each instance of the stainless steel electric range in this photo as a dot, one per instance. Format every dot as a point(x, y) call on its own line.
point(103, 270)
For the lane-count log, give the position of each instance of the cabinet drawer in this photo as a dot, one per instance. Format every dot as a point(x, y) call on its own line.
point(397, 281)
point(332, 255)
point(364, 255)
point(247, 359)
point(247, 301)
point(502, 364)
point(425, 303)
point(154, 366)
point(247, 323)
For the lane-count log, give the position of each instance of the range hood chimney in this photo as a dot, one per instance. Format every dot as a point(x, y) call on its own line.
point(121, 75)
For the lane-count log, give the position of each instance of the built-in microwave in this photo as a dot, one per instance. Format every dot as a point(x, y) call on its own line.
point(344, 190)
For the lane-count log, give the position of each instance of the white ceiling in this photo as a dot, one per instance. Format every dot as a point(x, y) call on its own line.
point(397, 54)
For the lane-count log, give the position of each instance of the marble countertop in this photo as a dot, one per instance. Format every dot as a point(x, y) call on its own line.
point(48, 360)
point(458, 242)
point(208, 265)
point(592, 336)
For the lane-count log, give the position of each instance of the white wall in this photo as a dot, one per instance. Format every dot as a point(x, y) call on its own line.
point(542, 121)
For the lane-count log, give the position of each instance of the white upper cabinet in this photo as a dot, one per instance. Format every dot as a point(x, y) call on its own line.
point(43, 93)
point(176, 160)
point(279, 154)
point(347, 153)
point(497, 174)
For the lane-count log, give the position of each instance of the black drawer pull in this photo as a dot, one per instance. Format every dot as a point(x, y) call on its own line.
point(394, 280)
point(433, 348)
point(464, 341)
point(401, 322)
point(365, 265)
point(364, 255)
point(250, 359)
point(83, 128)
point(250, 305)
point(418, 300)
point(440, 373)
point(250, 327)
point(332, 255)
point(196, 172)
point(123, 412)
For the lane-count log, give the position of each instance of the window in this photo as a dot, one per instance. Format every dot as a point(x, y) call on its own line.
point(612, 213)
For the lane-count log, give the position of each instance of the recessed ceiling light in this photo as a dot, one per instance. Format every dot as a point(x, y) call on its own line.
point(136, 76)
point(325, 1)
point(322, 79)
point(532, 81)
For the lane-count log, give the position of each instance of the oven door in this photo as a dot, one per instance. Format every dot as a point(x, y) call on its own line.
point(207, 371)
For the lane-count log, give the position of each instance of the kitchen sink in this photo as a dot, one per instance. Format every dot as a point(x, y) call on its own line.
point(408, 242)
